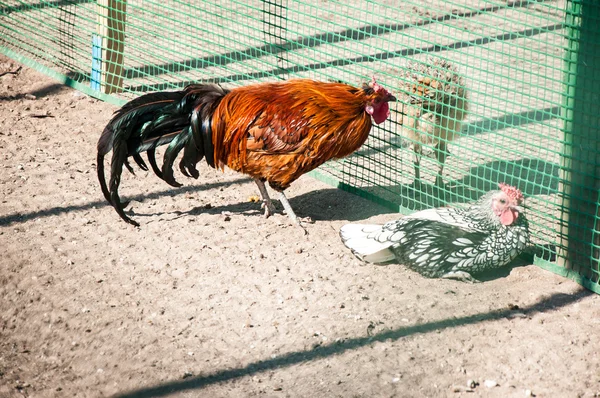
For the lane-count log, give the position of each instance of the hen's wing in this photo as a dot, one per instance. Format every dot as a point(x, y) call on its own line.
point(435, 248)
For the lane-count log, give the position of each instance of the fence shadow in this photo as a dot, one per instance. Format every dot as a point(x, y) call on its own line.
point(352, 34)
point(553, 302)
point(327, 38)
point(533, 176)
point(392, 141)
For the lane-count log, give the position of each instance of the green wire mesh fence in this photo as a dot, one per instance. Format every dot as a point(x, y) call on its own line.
point(515, 81)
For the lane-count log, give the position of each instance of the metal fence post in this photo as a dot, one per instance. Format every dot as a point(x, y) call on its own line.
point(579, 178)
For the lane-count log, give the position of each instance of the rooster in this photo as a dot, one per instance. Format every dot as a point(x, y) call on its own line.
point(434, 111)
point(273, 132)
point(448, 242)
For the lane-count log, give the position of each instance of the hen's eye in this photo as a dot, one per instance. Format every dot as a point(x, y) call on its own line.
point(503, 201)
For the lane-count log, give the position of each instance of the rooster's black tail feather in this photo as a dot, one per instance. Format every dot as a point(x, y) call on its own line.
point(181, 119)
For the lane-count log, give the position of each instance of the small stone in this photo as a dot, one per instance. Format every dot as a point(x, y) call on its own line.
point(490, 383)
point(186, 375)
point(528, 393)
point(395, 380)
point(472, 383)
point(517, 315)
point(30, 96)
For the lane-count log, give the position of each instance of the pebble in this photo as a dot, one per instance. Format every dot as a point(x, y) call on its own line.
point(528, 393)
point(517, 315)
point(490, 383)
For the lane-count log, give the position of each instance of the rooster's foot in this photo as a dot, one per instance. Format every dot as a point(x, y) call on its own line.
point(302, 220)
point(269, 208)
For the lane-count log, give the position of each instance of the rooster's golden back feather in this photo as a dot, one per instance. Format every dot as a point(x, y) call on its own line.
point(278, 131)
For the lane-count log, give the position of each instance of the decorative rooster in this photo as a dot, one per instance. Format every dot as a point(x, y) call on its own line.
point(274, 132)
point(448, 242)
point(433, 113)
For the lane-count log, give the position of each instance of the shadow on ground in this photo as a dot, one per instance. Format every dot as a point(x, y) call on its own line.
point(340, 347)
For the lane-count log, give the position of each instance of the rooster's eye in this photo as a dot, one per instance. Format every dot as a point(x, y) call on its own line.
point(503, 201)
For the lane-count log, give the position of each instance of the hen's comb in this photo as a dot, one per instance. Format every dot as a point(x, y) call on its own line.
point(511, 192)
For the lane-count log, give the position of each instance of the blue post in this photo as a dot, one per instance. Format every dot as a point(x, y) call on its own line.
point(96, 62)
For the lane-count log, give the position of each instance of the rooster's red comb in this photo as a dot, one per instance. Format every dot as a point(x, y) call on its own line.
point(378, 87)
point(511, 192)
point(374, 85)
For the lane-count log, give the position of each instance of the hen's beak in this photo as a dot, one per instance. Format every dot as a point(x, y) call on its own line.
point(519, 208)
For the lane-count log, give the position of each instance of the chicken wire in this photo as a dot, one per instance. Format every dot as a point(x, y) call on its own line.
point(530, 71)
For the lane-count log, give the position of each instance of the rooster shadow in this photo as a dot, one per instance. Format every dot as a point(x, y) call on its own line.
point(327, 204)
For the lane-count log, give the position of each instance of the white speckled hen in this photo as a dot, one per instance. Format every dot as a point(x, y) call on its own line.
point(448, 242)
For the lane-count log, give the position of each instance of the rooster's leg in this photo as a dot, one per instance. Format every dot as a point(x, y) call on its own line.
point(267, 203)
point(288, 208)
point(290, 212)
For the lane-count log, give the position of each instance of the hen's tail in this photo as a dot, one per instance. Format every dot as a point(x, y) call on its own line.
point(361, 239)
point(181, 119)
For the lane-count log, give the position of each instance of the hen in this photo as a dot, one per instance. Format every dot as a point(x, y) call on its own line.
point(433, 113)
point(448, 242)
point(274, 132)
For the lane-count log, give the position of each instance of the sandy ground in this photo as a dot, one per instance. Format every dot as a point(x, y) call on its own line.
point(208, 298)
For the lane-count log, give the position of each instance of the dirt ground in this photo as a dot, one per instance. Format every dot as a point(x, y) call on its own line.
point(208, 298)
